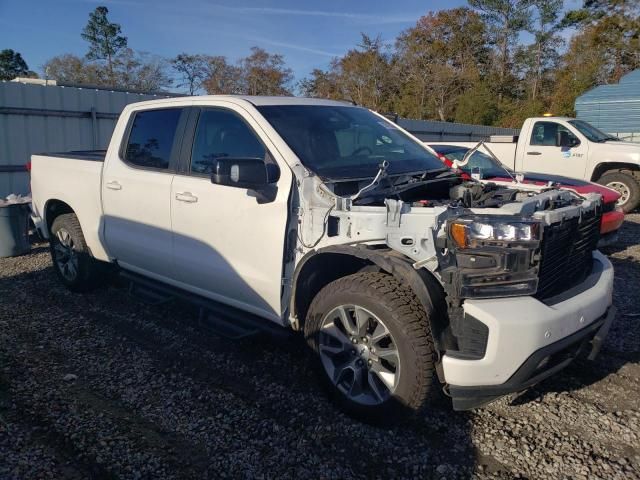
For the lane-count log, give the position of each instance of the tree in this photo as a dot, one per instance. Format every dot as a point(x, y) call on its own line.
point(612, 27)
point(438, 59)
point(140, 71)
point(71, 69)
point(505, 20)
point(193, 70)
point(361, 75)
point(264, 73)
point(12, 65)
point(605, 47)
point(543, 53)
point(320, 84)
point(477, 105)
point(222, 78)
point(104, 37)
point(581, 68)
point(130, 70)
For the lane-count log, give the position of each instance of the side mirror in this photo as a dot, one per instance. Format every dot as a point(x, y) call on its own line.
point(250, 173)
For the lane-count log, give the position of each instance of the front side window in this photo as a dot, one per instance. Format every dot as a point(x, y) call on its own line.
point(342, 142)
point(151, 138)
point(221, 133)
point(545, 134)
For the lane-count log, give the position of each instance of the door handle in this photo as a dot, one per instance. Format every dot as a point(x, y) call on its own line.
point(534, 153)
point(114, 185)
point(187, 197)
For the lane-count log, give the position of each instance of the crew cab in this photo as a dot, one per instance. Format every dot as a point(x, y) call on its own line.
point(572, 148)
point(328, 219)
point(488, 169)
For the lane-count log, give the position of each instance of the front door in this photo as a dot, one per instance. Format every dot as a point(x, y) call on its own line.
point(226, 244)
point(136, 192)
point(544, 156)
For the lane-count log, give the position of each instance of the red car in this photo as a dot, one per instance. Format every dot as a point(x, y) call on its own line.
point(491, 170)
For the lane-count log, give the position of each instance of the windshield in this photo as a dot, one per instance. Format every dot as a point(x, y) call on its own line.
point(339, 142)
point(487, 165)
point(591, 132)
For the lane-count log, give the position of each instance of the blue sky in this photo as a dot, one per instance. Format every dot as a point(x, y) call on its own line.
point(308, 33)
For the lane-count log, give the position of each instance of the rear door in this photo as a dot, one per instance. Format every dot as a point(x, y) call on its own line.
point(541, 154)
point(136, 191)
point(227, 245)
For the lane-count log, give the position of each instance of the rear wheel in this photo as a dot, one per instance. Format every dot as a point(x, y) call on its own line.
point(375, 353)
point(72, 260)
point(626, 185)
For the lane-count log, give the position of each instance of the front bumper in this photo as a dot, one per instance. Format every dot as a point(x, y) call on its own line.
point(540, 365)
point(611, 221)
point(521, 326)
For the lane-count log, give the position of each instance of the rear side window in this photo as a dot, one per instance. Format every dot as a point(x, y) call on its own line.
point(222, 133)
point(151, 138)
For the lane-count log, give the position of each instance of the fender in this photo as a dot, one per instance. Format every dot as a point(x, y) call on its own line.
point(424, 284)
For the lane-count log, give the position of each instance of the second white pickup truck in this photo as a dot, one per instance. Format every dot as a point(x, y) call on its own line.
point(572, 148)
point(327, 218)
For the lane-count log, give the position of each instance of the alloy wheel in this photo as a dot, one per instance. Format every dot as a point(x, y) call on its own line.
point(66, 257)
point(359, 354)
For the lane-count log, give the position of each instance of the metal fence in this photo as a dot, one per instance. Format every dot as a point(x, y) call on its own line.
point(36, 118)
point(431, 131)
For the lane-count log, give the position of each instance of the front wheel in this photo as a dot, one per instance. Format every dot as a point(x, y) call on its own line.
point(626, 185)
point(372, 339)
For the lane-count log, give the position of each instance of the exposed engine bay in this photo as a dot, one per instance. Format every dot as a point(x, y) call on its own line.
point(446, 189)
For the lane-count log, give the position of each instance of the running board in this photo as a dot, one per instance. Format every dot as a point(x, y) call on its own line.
point(222, 319)
point(148, 295)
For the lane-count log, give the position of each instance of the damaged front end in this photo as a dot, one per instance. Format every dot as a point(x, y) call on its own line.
point(478, 241)
point(543, 248)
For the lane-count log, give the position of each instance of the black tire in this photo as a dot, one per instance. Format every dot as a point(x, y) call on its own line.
point(625, 182)
point(408, 324)
point(89, 273)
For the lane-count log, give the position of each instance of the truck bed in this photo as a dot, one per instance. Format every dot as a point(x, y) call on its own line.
point(91, 155)
point(75, 179)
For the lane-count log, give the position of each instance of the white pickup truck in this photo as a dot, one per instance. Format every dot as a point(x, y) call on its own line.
point(573, 148)
point(328, 219)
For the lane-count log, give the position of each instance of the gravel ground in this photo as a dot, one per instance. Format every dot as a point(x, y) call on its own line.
point(104, 386)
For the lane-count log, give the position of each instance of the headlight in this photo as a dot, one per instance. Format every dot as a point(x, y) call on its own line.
point(469, 232)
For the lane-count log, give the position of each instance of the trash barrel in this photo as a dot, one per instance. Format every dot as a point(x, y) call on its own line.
point(14, 229)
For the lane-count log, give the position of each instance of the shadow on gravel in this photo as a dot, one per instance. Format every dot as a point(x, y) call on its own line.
point(290, 428)
point(271, 418)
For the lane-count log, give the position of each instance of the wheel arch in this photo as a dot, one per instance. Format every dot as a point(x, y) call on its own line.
point(319, 268)
point(53, 209)
point(622, 167)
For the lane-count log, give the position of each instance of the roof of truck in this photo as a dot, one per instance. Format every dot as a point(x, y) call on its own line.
point(254, 100)
point(259, 100)
point(542, 119)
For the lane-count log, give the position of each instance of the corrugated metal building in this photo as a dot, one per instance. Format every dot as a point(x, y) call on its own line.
point(36, 117)
point(615, 109)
